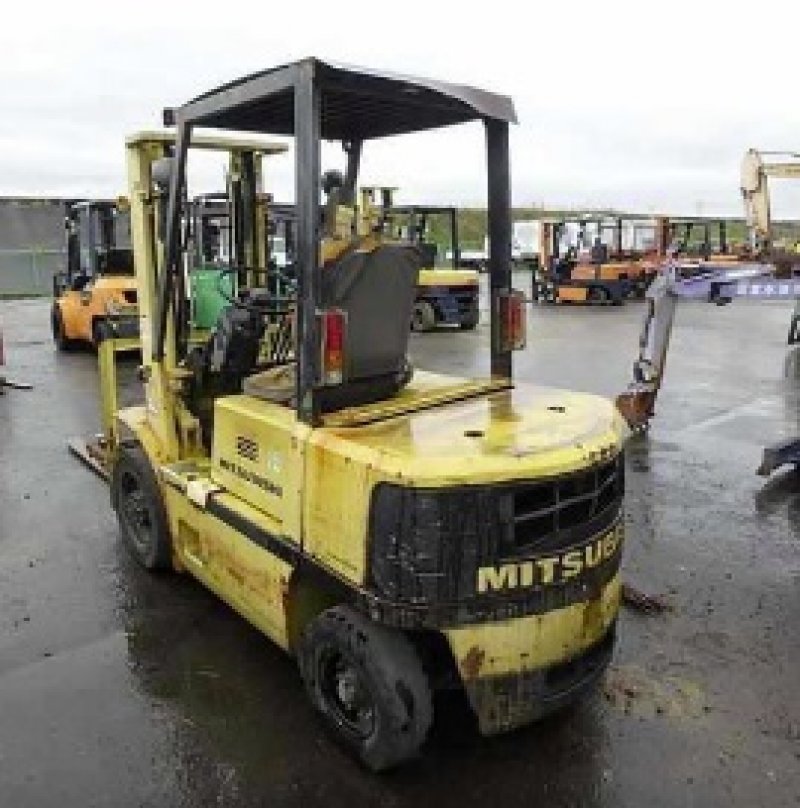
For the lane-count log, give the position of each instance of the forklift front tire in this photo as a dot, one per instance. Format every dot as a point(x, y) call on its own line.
point(136, 497)
point(597, 294)
point(368, 684)
point(62, 341)
point(99, 331)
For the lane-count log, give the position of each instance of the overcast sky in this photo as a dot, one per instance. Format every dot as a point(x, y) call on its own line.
point(636, 105)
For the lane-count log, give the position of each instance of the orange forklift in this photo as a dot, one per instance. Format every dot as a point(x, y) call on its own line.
point(98, 283)
point(580, 274)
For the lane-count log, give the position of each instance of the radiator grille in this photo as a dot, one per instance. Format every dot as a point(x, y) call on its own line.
point(427, 545)
point(547, 515)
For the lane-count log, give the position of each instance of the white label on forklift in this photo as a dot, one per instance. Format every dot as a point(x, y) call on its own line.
point(274, 462)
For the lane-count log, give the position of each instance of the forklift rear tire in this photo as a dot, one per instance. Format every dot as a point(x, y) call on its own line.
point(469, 324)
point(62, 341)
point(423, 317)
point(136, 497)
point(368, 684)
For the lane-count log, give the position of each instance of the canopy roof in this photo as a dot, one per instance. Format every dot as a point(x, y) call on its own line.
point(356, 103)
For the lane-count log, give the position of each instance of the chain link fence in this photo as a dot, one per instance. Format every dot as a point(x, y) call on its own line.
point(29, 272)
point(32, 246)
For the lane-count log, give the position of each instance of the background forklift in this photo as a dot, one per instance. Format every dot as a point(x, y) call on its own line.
point(396, 531)
point(699, 238)
point(211, 240)
point(445, 295)
point(98, 283)
point(595, 268)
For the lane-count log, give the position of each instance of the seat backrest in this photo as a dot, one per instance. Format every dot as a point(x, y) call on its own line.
point(376, 289)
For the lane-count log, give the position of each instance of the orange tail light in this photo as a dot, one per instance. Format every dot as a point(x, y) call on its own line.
point(513, 323)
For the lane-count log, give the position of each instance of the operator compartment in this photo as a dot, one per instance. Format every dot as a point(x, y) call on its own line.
point(257, 440)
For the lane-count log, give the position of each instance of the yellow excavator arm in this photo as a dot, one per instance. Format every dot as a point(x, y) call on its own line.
point(754, 186)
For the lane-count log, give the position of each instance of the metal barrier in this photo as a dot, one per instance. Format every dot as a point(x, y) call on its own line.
point(29, 272)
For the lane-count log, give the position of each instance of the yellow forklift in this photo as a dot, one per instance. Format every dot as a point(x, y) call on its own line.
point(98, 282)
point(396, 531)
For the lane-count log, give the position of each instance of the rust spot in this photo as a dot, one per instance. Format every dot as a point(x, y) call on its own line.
point(473, 662)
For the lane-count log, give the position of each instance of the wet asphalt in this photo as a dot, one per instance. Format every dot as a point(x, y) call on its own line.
point(122, 689)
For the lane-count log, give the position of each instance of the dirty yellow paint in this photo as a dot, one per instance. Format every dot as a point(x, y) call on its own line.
point(317, 484)
point(258, 456)
point(536, 641)
point(520, 433)
point(248, 578)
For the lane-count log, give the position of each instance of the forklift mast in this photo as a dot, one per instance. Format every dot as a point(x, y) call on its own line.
point(151, 157)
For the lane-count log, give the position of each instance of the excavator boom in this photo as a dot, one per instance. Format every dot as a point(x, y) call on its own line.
point(754, 185)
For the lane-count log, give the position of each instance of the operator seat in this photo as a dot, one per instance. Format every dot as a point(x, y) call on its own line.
point(375, 287)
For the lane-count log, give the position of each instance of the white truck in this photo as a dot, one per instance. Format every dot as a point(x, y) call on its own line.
point(525, 245)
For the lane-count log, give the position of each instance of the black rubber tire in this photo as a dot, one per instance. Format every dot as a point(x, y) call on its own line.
point(391, 674)
point(63, 343)
point(548, 293)
point(99, 332)
point(136, 497)
point(469, 324)
point(596, 294)
point(792, 336)
point(423, 317)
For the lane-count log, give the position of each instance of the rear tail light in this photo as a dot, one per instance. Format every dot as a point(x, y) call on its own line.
point(512, 321)
point(333, 332)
